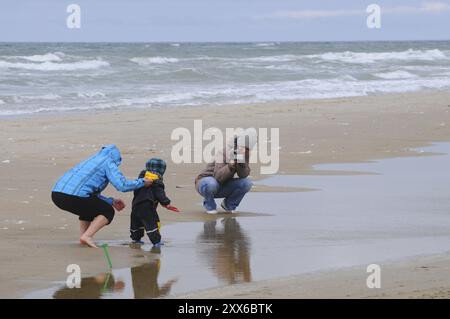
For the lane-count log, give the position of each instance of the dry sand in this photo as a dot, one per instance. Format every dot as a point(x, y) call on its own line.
point(37, 241)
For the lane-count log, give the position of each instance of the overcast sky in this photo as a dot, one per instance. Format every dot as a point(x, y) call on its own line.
point(223, 20)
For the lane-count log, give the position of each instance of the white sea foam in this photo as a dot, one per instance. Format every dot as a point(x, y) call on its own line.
point(50, 96)
point(153, 60)
point(371, 57)
point(347, 77)
point(52, 66)
point(91, 94)
point(275, 58)
point(48, 57)
point(151, 100)
point(287, 90)
point(265, 44)
point(22, 98)
point(354, 57)
point(186, 71)
point(341, 86)
point(282, 67)
point(396, 75)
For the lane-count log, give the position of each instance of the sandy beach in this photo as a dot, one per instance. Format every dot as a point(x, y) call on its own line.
point(37, 241)
point(424, 277)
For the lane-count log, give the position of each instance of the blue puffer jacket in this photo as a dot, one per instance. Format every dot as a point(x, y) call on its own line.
point(91, 176)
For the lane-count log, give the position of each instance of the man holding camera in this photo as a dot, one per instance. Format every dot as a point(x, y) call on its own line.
point(218, 179)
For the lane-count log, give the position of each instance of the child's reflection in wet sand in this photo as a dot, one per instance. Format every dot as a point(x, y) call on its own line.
point(144, 282)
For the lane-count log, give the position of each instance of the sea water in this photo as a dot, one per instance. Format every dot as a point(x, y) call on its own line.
point(61, 77)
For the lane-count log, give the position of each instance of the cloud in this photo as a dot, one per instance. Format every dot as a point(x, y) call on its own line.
point(316, 13)
point(436, 6)
point(424, 8)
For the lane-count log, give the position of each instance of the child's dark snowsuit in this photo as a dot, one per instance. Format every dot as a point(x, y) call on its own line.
point(143, 213)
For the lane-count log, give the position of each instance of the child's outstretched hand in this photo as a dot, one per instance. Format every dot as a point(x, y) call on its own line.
point(172, 208)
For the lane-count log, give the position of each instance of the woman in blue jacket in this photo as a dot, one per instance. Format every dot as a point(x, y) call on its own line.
point(78, 191)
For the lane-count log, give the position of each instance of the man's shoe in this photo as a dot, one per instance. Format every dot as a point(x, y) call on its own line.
point(226, 209)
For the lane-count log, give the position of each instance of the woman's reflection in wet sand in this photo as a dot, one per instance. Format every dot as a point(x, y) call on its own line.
point(144, 282)
point(91, 288)
point(227, 250)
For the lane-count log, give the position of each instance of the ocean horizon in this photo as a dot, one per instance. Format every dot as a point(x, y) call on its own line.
point(64, 77)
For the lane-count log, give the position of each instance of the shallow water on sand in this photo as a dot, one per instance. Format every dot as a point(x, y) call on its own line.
point(402, 210)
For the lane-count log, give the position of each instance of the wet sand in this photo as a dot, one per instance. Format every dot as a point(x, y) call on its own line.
point(424, 277)
point(37, 241)
point(393, 214)
point(399, 210)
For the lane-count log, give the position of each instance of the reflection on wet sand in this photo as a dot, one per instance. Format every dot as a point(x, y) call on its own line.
point(91, 288)
point(144, 283)
point(227, 250)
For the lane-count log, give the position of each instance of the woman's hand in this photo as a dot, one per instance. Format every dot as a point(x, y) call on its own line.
point(148, 182)
point(118, 204)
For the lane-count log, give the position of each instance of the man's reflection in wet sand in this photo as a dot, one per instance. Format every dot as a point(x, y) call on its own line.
point(144, 281)
point(227, 250)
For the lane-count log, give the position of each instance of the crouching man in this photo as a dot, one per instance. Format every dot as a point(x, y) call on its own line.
point(227, 176)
